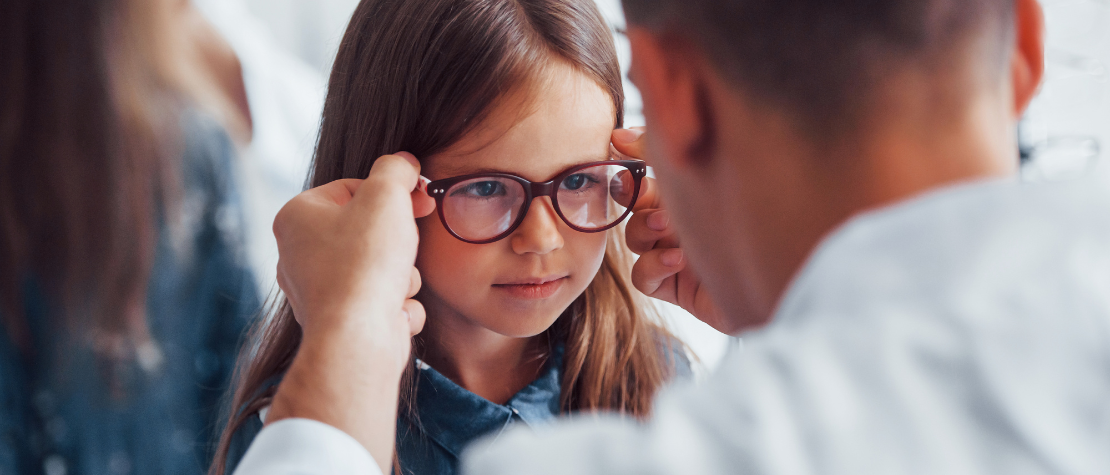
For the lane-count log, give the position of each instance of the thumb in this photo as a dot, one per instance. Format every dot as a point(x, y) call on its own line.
point(630, 142)
point(390, 172)
point(411, 159)
point(422, 204)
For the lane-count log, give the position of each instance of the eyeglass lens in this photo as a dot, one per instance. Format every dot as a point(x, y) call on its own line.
point(485, 207)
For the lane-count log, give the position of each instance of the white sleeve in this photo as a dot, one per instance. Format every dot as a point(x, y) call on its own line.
point(306, 447)
point(916, 394)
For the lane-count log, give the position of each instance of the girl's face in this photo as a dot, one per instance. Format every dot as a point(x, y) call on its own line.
point(519, 286)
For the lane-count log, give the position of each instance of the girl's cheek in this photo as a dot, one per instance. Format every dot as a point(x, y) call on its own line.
point(443, 259)
point(423, 249)
point(433, 252)
point(589, 250)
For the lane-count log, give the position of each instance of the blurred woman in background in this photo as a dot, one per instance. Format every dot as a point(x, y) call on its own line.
point(123, 291)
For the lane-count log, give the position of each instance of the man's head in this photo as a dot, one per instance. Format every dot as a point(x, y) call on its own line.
point(773, 121)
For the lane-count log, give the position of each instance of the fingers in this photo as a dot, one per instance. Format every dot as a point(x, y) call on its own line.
point(404, 169)
point(414, 283)
point(412, 309)
point(400, 170)
point(630, 142)
point(282, 281)
point(402, 166)
point(339, 191)
point(648, 230)
point(416, 316)
point(656, 268)
point(422, 204)
point(647, 199)
point(311, 202)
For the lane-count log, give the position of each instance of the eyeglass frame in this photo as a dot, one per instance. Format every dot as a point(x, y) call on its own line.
point(438, 190)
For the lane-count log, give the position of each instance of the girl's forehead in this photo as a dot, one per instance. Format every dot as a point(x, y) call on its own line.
point(566, 123)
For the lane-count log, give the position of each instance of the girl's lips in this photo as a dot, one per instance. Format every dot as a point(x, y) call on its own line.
point(532, 290)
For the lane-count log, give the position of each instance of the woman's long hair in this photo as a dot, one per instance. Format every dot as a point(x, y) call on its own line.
point(83, 175)
point(417, 76)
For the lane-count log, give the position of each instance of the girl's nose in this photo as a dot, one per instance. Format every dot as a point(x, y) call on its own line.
point(539, 232)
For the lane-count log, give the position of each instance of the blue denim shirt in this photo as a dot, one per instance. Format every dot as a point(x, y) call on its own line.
point(59, 415)
point(450, 417)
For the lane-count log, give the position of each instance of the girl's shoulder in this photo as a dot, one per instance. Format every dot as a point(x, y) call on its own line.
point(675, 354)
point(252, 424)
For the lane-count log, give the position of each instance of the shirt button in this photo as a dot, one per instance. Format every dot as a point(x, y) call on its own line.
point(515, 411)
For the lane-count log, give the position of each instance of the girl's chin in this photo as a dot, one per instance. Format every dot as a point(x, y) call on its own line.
point(520, 324)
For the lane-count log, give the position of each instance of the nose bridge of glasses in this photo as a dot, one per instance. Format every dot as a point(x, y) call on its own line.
point(549, 190)
point(546, 207)
point(544, 189)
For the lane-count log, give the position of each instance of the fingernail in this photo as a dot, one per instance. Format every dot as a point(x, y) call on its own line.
point(627, 135)
point(408, 316)
point(671, 257)
point(659, 220)
point(415, 162)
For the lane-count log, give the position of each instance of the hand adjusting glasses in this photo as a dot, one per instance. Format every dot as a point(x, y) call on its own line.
point(487, 207)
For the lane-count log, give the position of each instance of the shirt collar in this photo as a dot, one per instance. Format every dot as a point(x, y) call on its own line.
point(453, 416)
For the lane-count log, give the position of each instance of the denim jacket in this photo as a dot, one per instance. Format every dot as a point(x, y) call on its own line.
point(58, 413)
point(449, 417)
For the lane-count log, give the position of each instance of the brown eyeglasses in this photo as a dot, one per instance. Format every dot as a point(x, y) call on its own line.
point(487, 207)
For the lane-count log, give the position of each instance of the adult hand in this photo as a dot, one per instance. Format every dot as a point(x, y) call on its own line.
point(347, 251)
point(661, 271)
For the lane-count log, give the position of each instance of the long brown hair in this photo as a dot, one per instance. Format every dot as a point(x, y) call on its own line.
point(418, 76)
point(83, 114)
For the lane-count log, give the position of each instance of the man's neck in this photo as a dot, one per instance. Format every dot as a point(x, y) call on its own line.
point(783, 204)
point(918, 149)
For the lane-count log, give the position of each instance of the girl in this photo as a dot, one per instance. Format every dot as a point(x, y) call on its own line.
point(510, 105)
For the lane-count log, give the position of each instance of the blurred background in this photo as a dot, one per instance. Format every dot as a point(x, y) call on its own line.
point(1067, 129)
point(286, 48)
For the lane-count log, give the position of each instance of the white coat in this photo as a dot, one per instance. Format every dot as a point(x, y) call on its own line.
point(966, 331)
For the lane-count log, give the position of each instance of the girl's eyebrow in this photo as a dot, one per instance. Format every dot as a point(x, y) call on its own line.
point(477, 171)
point(444, 172)
point(453, 171)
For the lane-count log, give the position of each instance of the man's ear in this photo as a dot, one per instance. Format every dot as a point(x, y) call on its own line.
point(1027, 59)
point(671, 79)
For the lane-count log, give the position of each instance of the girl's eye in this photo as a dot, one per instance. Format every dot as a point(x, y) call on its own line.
point(481, 189)
point(578, 181)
